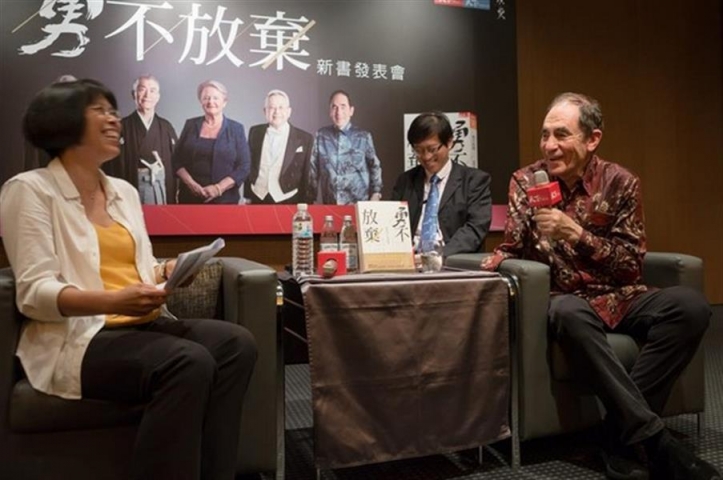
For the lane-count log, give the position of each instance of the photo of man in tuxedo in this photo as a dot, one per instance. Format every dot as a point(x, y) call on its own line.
point(280, 156)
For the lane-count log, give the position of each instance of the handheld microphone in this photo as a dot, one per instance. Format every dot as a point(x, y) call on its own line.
point(545, 193)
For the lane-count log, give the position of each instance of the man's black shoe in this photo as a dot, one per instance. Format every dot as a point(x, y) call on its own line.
point(674, 461)
point(622, 462)
point(620, 467)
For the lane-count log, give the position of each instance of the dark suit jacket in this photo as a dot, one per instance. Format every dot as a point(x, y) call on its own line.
point(465, 209)
point(138, 142)
point(294, 170)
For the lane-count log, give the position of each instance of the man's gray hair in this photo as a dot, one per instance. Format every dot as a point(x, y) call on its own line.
point(145, 76)
point(280, 93)
point(591, 117)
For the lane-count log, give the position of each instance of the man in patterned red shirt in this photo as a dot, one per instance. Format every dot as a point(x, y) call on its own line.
point(594, 243)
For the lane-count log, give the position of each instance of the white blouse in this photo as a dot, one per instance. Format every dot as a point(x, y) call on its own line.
point(51, 245)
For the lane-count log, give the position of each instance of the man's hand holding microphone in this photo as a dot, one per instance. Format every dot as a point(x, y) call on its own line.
point(551, 222)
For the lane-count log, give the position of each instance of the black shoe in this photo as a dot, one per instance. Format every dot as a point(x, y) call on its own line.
point(674, 461)
point(619, 467)
point(622, 462)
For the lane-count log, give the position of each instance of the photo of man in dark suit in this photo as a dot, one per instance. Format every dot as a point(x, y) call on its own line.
point(146, 147)
point(280, 156)
point(461, 194)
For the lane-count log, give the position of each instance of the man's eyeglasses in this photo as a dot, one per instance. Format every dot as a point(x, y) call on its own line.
point(420, 152)
point(108, 112)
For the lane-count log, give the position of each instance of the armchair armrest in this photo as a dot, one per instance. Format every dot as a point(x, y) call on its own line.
point(465, 261)
point(667, 270)
point(533, 279)
point(249, 292)
point(534, 377)
point(10, 324)
point(249, 299)
point(670, 269)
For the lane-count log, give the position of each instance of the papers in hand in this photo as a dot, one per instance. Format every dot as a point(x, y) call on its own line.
point(188, 263)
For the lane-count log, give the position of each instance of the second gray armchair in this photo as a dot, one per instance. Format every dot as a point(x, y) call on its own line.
point(551, 401)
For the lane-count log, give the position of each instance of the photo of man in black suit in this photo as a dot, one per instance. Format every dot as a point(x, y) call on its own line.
point(280, 156)
point(464, 203)
point(147, 144)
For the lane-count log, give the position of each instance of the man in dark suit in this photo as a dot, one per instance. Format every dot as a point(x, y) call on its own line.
point(280, 156)
point(147, 144)
point(464, 206)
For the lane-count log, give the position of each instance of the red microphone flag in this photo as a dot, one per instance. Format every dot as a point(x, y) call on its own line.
point(545, 193)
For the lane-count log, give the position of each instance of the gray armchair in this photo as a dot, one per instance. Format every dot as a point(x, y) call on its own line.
point(43, 436)
point(550, 400)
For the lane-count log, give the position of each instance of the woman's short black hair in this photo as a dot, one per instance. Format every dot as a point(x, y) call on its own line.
point(428, 125)
point(55, 118)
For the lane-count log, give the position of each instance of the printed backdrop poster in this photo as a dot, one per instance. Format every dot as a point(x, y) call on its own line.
point(391, 57)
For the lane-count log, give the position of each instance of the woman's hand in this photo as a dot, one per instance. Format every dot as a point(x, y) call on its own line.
point(212, 191)
point(169, 266)
point(197, 189)
point(192, 184)
point(137, 300)
point(217, 189)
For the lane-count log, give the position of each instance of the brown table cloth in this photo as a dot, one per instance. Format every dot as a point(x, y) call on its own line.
point(407, 365)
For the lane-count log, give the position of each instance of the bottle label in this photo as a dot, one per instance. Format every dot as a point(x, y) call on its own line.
point(351, 256)
point(303, 229)
point(328, 247)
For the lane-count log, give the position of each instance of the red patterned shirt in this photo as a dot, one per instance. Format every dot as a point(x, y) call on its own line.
point(605, 265)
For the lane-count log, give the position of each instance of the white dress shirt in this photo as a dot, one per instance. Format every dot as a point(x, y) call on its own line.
point(272, 159)
point(51, 245)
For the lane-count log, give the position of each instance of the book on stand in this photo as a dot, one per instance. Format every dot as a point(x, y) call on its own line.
point(385, 237)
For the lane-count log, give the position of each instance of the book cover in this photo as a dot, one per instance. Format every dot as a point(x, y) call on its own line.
point(385, 237)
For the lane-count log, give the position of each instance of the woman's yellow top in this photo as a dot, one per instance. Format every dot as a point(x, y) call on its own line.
point(118, 269)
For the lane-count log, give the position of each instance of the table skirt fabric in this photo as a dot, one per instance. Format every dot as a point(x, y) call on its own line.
point(407, 365)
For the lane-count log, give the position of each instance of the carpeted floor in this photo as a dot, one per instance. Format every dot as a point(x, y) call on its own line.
point(562, 457)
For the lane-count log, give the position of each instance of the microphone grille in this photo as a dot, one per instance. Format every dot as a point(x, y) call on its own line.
point(541, 177)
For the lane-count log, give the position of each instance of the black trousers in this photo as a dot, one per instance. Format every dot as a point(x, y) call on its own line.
point(669, 323)
point(192, 375)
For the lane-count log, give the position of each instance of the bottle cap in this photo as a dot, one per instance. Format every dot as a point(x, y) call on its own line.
point(302, 206)
point(328, 218)
point(347, 217)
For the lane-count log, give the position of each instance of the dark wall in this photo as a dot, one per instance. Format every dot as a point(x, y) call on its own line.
point(656, 68)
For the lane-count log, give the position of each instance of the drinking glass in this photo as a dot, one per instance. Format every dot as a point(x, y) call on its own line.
point(433, 259)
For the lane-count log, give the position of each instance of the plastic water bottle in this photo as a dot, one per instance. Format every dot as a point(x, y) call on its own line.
point(348, 243)
point(302, 242)
point(329, 240)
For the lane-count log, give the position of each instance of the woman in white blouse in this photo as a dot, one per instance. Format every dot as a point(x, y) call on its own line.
point(86, 279)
